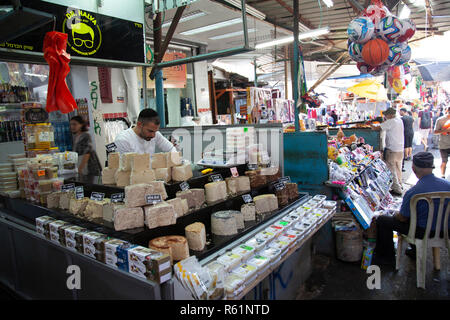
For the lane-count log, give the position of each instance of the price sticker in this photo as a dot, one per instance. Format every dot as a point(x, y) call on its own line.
point(252, 167)
point(279, 186)
point(111, 147)
point(184, 186)
point(79, 192)
point(234, 172)
point(117, 197)
point(286, 179)
point(153, 198)
point(97, 196)
point(247, 198)
point(216, 177)
point(41, 173)
point(68, 187)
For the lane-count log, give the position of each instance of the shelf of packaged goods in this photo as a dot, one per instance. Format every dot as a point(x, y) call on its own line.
point(288, 253)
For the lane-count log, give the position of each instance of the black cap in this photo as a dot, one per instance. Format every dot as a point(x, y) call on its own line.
point(423, 160)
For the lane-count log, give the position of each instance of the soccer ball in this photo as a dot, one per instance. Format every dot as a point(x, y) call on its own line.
point(361, 30)
point(364, 67)
point(376, 13)
point(405, 56)
point(355, 51)
point(390, 29)
point(408, 30)
point(395, 53)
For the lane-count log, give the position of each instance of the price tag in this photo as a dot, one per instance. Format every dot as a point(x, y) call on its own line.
point(247, 198)
point(79, 193)
point(286, 179)
point(111, 147)
point(41, 173)
point(216, 177)
point(117, 197)
point(184, 186)
point(279, 186)
point(97, 196)
point(252, 167)
point(68, 187)
point(234, 172)
point(153, 198)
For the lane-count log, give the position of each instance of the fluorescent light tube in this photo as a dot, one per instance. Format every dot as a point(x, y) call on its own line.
point(187, 17)
point(230, 35)
point(211, 27)
point(35, 75)
point(404, 14)
point(250, 10)
point(304, 35)
point(329, 3)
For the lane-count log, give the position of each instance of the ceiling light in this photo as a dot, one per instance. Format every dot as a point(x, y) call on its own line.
point(211, 27)
point(190, 16)
point(329, 3)
point(230, 35)
point(248, 9)
point(35, 75)
point(404, 14)
point(304, 35)
point(418, 3)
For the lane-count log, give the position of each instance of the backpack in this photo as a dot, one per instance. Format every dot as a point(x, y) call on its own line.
point(425, 122)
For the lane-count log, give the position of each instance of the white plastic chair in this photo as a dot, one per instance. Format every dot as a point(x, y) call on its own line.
point(422, 245)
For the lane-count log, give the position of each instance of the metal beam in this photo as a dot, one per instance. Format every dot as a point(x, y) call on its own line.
point(331, 70)
point(296, 64)
point(356, 6)
point(168, 38)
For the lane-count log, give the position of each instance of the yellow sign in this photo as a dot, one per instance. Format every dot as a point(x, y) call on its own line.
point(84, 34)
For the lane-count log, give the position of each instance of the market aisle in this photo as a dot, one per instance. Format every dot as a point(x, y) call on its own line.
point(334, 279)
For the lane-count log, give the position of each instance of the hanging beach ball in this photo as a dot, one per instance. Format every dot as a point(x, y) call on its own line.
point(395, 54)
point(355, 51)
point(389, 29)
point(364, 67)
point(406, 55)
point(375, 52)
point(408, 30)
point(361, 30)
point(376, 13)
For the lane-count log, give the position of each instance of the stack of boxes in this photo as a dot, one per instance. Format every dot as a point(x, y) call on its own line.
point(140, 261)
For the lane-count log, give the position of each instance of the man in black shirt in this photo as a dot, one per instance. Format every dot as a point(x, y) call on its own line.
point(408, 132)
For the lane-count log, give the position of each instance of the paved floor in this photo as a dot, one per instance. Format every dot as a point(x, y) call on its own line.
point(334, 279)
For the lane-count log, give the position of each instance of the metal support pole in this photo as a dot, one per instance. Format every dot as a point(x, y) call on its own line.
point(144, 86)
point(296, 66)
point(255, 67)
point(160, 97)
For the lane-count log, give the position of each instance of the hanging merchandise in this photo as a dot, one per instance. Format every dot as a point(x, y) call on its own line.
point(301, 81)
point(104, 77)
point(58, 94)
point(377, 40)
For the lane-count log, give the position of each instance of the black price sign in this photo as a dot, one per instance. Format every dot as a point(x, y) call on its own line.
point(279, 186)
point(111, 147)
point(252, 166)
point(68, 187)
point(184, 186)
point(117, 197)
point(153, 198)
point(79, 193)
point(97, 196)
point(247, 198)
point(216, 178)
point(285, 179)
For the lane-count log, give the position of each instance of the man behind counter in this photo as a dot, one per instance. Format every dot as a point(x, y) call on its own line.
point(144, 137)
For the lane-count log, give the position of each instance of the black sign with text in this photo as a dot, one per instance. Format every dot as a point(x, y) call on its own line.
point(90, 35)
point(247, 198)
point(97, 196)
point(153, 198)
point(111, 147)
point(68, 187)
point(117, 197)
point(216, 177)
point(184, 186)
point(79, 193)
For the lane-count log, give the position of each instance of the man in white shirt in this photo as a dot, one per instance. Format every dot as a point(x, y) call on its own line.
point(144, 137)
point(394, 147)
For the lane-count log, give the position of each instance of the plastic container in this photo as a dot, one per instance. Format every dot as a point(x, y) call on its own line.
point(260, 262)
point(234, 285)
point(329, 204)
point(244, 251)
point(230, 260)
point(289, 238)
point(273, 254)
point(276, 230)
point(248, 271)
point(257, 243)
point(265, 235)
point(45, 186)
point(279, 244)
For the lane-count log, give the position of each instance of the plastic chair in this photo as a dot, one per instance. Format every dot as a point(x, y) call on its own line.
point(422, 245)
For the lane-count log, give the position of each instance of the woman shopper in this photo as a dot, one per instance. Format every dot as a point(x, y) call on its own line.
point(88, 163)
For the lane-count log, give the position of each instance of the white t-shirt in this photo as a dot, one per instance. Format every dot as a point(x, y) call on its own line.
point(395, 140)
point(129, 141)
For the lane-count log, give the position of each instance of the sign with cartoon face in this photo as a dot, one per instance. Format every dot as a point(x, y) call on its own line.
point(83, 30)
point(90, 35)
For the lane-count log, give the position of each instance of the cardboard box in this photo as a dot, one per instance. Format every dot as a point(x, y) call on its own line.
point(111, 257)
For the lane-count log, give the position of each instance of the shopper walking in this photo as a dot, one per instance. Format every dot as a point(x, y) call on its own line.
point(88, 162)
point(394, 145)
point(425, 125)
point(442, 128)
point(408, 132)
